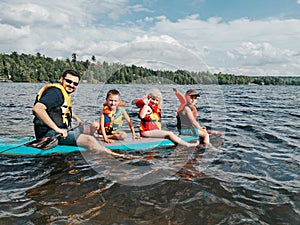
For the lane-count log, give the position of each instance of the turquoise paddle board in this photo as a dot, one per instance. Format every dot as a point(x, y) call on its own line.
point(14, 146)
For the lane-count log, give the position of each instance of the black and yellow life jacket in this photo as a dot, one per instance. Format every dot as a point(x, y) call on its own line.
point(62, 114)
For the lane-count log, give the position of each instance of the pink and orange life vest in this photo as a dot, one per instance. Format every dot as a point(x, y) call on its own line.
point(182, 121)
point(183, 103)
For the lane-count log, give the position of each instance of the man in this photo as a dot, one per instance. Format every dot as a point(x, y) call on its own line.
point(53, 115)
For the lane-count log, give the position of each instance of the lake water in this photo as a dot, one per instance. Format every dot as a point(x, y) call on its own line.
point(254, 180)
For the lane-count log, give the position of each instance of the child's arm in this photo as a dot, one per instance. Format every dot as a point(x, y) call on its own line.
point(102, 128)
point(181, 99)
point(180, 96)
point(191, 117)
point(145, 109)
point(128, 120)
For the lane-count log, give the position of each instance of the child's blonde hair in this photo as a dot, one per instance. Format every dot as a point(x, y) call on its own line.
point(157, 94)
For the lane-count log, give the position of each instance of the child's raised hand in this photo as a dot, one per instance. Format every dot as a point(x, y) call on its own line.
point(146, 100)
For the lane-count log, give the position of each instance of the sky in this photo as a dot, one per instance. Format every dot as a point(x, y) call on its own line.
point(241, 37)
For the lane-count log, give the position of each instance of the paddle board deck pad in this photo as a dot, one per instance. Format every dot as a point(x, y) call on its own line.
point(14, 146)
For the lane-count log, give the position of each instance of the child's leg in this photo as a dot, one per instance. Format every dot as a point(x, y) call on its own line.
point(204, 135)
point(121, 135)
point(168, 134)
point(95, 126)
point(178, 140)
point(154, 133)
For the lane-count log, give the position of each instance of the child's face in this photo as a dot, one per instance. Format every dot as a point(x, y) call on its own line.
point(113, 100)
point(154, 100)
point(192, 99)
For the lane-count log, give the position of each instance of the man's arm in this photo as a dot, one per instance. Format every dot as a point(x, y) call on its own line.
point(39, 109)
point(78, 120)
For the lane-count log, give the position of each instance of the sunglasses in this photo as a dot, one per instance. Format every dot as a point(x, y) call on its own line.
point(70, 82)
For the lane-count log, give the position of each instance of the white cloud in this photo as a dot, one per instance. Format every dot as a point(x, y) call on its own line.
point(149, 19)
point(239, 46)
point(139, 8)
point(265, 58)
point(158, 39)
point(21, 14)
point(260, 54)
point(157, 52)
point(113, 9)
point(39, 13)
point(13, 33)
point(275, 41)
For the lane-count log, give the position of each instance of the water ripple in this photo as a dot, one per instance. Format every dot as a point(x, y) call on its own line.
point(252, 179)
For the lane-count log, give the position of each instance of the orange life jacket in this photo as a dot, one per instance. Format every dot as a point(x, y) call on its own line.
point(151, 121)
point(113, 122)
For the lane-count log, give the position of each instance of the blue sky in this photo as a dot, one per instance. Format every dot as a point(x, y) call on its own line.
point(243, 37)
point(227, 9)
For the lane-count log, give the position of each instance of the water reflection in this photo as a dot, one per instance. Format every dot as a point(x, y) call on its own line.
point(254, 180)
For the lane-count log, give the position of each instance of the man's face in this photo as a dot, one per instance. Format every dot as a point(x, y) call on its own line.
point(70, 83)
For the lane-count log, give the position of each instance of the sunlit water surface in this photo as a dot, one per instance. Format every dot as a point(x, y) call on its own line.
point(254, 180)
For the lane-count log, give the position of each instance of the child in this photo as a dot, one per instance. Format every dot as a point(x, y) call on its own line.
point(111, 119)
point(150, 115)
point(187, 114)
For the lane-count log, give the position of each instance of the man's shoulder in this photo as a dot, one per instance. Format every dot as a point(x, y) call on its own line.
point(52, 95)
point(53, 90)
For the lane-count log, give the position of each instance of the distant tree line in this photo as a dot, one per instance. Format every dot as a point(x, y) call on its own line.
point(36, 68)
point(39, 68)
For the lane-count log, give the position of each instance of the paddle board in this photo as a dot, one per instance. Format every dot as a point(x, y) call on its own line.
point(14, 146)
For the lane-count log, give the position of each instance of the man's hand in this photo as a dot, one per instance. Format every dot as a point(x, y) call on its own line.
point(80, 122)
point(62, 132)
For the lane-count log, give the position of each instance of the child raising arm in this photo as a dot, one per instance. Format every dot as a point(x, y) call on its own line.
point(150, 115)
